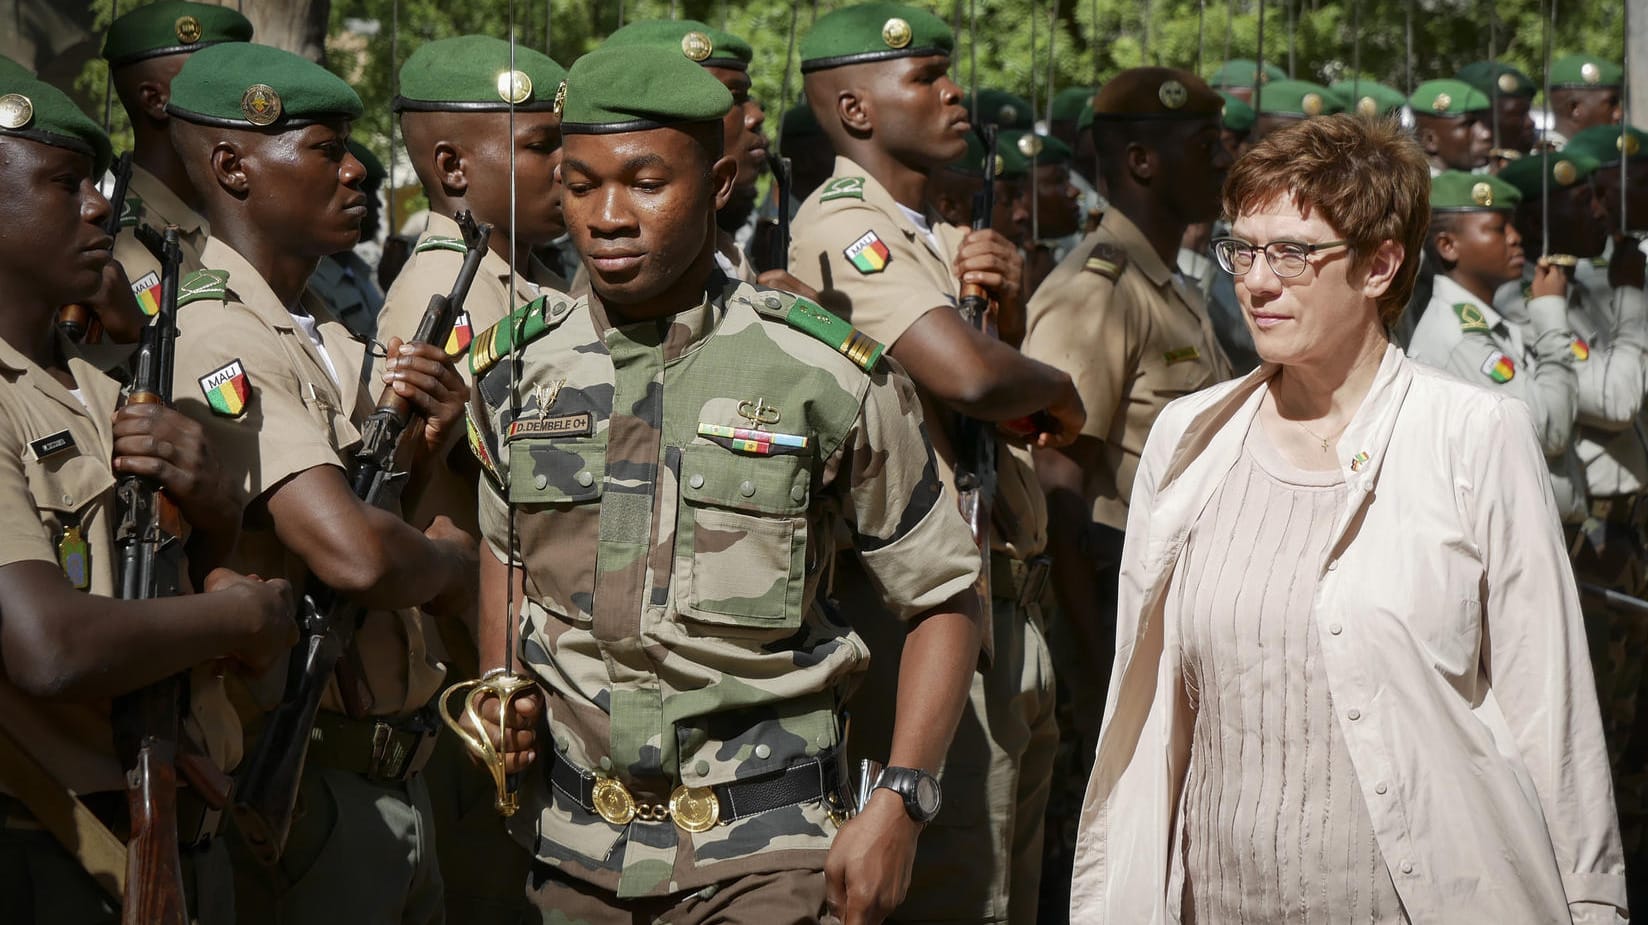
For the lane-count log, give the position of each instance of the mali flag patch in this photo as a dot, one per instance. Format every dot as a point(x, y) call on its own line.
point(147, 293)
point(227, 389)
point(457, 342)
point(868, 254)
point(1580, 349)
point(1499, 367)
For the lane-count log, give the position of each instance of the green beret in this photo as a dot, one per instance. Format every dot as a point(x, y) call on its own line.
point(1238, 72)
point(470, 73)
point(1085, 120)
point(1604, 143)
point(10, 69)
point(33, 109)
point(799, 122)
point(1496, 78)
point(172, 27)
point(1002, 109)
point(1457, 191)
point(1298, 98)
point(1042, 149)
point(1367, 97)
point(241, 85)
point(375, 174)
point(1069, 103)
point(1238, 116)
point(1528, 174)
point(1585, 72)
point(699, 42)
point(873, 31)
point(1145, 94)
point(638, 87)
point(1446, 99)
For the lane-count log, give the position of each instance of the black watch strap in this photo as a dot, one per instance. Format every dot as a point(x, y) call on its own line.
point(919, 790)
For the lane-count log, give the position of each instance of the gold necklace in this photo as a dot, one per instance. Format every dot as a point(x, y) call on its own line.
point(1325, 440)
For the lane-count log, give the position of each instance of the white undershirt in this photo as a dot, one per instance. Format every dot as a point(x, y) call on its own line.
point(80, 397)
point(920, 221)
point(311, 329)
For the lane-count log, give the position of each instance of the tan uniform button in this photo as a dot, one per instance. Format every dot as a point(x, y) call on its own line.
point(747, 488)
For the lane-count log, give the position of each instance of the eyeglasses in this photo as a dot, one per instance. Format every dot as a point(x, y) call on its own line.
point(1287, 259)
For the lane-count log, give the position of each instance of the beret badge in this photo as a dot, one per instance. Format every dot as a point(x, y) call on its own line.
point(1311, 104)
point(1030, 144)
point(1482, 194)
point(514, 87)
point(1367, 106)
point(1564, 172)
point(1172, 94)
point(16, 111)
point(260, 104)
point(1590, 73)
point(188, 29)
point(560, 98)
point(896, 33)
point(1507, 83)
point(696, 46)
point(1441, 103)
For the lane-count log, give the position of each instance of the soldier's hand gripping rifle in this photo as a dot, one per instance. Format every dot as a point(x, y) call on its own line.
point(147, 722)
point(976, 456)
point(75, 319)
point(267, 786)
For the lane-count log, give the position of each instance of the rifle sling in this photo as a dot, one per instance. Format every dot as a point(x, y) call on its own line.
point(80, 832)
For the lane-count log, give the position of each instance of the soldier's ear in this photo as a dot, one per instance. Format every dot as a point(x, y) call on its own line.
point(1428, 140)
point(1447, 246)
point(152, 96)
point(723, 174)
point(1141, 161)
point(451, 168)
point(855, 111)
point(229, 167)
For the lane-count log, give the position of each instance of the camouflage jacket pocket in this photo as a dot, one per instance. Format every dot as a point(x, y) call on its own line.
point(556, 471)
point(742, 537)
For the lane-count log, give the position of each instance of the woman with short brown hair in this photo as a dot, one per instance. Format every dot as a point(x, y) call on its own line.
point(1351, 681)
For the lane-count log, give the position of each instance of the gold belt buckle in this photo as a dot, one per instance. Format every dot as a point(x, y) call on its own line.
point(694, 809)
point(612, 801)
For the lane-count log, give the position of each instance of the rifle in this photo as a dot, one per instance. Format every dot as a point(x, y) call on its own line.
point(770, 250)
point(75, 319)
point(976, 440)
point(267, 785)
point(147, 722)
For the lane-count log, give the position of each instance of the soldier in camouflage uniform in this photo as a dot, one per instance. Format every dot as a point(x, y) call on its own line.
point(676, 453)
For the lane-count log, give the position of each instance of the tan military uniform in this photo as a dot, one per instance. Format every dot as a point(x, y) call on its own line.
point(1132, 337)
point(482, 867)
point(55, 483)
point(264, 394)
point(345, 283)
point(672, 573)
point(151, 202)
point(980, 859)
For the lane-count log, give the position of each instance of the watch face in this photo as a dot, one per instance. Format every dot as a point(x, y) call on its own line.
point(927, 794)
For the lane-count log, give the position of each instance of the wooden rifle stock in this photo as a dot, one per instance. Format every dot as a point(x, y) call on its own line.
point(75, 319)
point(148, 722)
point(266, 790)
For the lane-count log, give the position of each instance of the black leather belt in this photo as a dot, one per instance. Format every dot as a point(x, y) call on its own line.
point(813, 780)
point(383, 750)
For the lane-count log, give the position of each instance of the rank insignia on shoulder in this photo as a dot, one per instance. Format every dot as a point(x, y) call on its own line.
point(1499, 367)
point(1181, 355)
point(201, 285)
point(868, 254)
point(1580, 349)
point(227, 389)
point(811, 318)
point(462, 334)
point(147, 293)
point(441, 242)
point(842, 188)
point(1106, 259)
point(1470, 317)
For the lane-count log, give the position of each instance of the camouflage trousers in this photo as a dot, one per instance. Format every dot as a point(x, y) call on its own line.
point(980, 859)
point(482, 867)
point(783, 897)
point(41, 883)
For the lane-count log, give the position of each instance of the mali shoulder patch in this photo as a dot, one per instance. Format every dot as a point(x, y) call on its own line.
point(461, 336)
point(1106, 259)
point(477, 446)
point(440, 242)
point(227, 389)
point(1580, 349)
point(869, 254)
point(814, 320)
point(202, 285)
point(842, 188)
point(146, 290)
point(1470, 317)
point(1499, 367)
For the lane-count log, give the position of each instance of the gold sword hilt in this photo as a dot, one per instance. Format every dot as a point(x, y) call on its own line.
point(504, 686)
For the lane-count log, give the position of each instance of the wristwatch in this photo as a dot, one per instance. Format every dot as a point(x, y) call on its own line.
point(919, 790)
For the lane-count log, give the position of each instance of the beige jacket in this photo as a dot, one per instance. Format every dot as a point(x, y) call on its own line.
point(1454, 651)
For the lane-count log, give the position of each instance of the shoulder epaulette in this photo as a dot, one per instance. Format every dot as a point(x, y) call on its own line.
point(1470, 317)
point(202, 285)
point(523, 326)
point(812, 319)
point(1106, 259)
point(842, 188)
point(440, 242)
point(131, 210)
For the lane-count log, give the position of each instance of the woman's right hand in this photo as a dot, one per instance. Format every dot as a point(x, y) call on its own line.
point(267, 609)
point(1549, 279)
